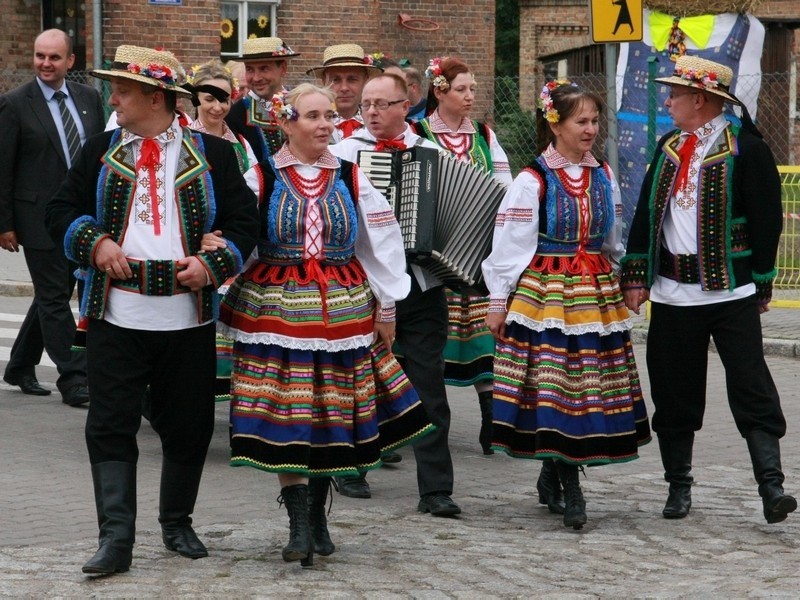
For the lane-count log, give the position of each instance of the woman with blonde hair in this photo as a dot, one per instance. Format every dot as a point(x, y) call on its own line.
point(316, 389)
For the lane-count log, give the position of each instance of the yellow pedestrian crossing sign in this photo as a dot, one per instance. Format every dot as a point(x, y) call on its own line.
point(616, 20)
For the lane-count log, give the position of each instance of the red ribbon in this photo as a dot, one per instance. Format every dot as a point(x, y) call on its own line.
point(388, 145)
point(348, 126)
point(150, 158)
point(685, 154)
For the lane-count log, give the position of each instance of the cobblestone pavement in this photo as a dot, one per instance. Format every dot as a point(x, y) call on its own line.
point(505, 545)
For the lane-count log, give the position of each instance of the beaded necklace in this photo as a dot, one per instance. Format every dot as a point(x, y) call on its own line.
point(309, 187)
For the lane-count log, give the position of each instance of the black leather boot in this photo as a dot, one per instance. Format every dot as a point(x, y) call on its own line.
point(354, 486)
point(765, 453)
point(676, 456)
point(301, 544)
point(115, 499)
point(549, 488)
point(574, 504)
point(485, 435)
point(318, 490)
point(179, 486)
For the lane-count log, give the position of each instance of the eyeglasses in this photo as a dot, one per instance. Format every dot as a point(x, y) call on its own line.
point(379, 104)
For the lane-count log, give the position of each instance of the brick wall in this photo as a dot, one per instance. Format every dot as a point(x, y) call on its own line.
point(21, 24)
point(466, 30)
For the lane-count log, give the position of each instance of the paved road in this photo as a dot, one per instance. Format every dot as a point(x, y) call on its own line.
point(505, 545)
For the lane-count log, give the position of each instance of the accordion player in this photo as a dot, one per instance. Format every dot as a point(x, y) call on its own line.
point(446, 209)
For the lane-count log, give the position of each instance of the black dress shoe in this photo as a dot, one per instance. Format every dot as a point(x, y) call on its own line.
point(183, 540)
point(75, 395)
point(439, 505)
point(28, 384)
point(353, 487)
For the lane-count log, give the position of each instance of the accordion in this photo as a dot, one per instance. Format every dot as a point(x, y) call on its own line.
point(446, 209)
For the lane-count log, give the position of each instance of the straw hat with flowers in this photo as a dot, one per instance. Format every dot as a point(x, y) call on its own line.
point(701, 74)
point(266, 48)
point(344, 55)
point(158, 68)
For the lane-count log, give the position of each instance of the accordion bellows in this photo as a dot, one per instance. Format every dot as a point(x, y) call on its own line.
point(446, 209)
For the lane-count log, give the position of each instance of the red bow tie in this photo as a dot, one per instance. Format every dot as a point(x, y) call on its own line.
point(348, 126)
point(388, 145)
point(685, 153)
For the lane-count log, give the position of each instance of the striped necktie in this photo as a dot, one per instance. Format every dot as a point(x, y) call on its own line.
point(70, 128)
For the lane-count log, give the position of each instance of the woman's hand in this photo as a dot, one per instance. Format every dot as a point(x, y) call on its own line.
point(496, 322)
point(385, 332)
point(212, 241)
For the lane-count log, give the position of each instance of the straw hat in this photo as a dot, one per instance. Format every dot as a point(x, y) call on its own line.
point(266, 48)
point(344, 55)
point(158, 68)
point(702, 74)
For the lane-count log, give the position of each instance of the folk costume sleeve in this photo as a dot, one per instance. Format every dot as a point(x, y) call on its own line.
point(757, 181)
point(236, 213)
point(379, 247)
point(637, 267)
point(502, 170)
point(515, 238)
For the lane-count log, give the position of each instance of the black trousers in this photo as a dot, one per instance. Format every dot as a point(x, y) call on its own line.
point(677, 363)
point(179, 367)
point(421, 337)
point(49, 323)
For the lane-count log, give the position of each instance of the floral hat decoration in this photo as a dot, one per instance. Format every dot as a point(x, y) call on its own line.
point(701, 74)
point(546, 100)
point(345, 55)
point(156, 67)
point(434, 73)
point(279, 109)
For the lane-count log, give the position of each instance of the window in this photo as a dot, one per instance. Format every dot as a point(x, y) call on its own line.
point(245, 19)
point(69, 16)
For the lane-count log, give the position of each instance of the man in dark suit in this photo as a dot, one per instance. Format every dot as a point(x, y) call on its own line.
point(39, 145)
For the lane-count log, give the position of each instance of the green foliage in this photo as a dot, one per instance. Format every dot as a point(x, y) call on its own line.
point(506, 38)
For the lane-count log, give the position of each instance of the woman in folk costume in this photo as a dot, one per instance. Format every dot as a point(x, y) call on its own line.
point(470, 347)
point(316, 391)
point(566, 385)
point(213, 88)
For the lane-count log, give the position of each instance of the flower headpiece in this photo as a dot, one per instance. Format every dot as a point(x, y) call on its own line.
point(281, 110)
point(434, 73)
point(706, 80)
point(155, 67)
point(546, 100)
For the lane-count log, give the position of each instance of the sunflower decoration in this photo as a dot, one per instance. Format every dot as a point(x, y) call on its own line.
point(226, 28)
point(252, 36)
point(263, 21)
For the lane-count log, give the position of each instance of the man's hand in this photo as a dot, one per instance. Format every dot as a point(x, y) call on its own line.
point(635, 298)
point(212, 241)
point(192, 273)
point(110, 258)
point(8, 241)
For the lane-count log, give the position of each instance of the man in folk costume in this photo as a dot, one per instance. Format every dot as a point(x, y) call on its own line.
point(132, 213)
point(266, 61)
point(421, 316)
point(702, 249)
point(345, 69)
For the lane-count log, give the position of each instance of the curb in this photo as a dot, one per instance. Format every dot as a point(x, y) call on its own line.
point(16, 288)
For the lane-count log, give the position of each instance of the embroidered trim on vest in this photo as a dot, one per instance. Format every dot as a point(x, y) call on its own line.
point(269, 134)
point(478, 148)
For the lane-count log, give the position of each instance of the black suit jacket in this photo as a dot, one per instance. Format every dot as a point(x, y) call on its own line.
point(32, 161)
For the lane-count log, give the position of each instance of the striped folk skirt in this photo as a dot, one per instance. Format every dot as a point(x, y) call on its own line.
point(566, 382)
point(469, 351)
point(311, 393)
